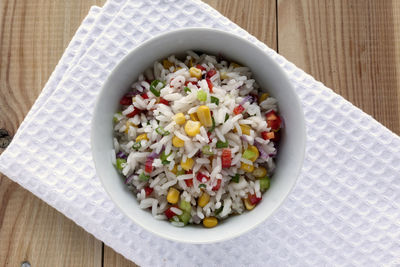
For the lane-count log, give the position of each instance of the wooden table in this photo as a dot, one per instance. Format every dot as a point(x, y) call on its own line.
point(351, 46)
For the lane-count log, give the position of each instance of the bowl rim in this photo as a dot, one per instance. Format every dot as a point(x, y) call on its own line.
point(290, 88)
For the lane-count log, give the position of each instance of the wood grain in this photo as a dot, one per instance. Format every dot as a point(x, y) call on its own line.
point(33, 36)
point(351, 46)
point(258, 17)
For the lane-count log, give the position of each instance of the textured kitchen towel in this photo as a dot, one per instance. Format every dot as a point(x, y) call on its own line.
point(89, 30)
point(344, 209)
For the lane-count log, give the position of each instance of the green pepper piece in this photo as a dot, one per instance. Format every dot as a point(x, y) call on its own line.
point(119, 163)
point(264, 183)
point(235, 178)
point(221, 144)
point(215, 100)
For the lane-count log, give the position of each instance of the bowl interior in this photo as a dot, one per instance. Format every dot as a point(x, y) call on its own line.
point(266, 72)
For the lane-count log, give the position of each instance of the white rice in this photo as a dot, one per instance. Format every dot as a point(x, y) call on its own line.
point(230, 91)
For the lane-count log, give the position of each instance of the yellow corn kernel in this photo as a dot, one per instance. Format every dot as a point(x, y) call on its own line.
point(192, 128)
point(177, 142)
point(224, 75)
point(175, 169)
point(194, 117)
point(255, 150)
point(179, 118)
point(195, 72)
point(127, 125)
point(210, 222)
point(259, 172)
point(245, 129)
point(141, 137)
point(188, 164)
point(191, 62)
point(167, 64)
point(263, 97)
point(204, 114)
point(246, 167)
point(235, 65)
point(173, 195)
point(247, 204)
point(203, 199)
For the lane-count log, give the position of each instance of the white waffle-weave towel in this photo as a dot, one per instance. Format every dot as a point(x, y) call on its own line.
point(344, 210)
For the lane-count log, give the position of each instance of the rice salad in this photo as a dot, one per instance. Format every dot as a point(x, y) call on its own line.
point(196, 139)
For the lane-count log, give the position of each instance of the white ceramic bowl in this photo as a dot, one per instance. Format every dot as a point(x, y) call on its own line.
point(266, 72)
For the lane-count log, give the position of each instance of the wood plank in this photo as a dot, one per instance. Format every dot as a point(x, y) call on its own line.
point(258, 17)
point(33, 36)
point(351, 46)
point(31, 230)
point(255, 16)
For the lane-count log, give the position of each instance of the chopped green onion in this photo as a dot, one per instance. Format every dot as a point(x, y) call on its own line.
point(218, 211)
point(235, 178)
point(248, 154)
point(221, 144)
point(264, 183)
point(160, 130)
point(185, 217)
point(181, 172)
point(187, 90)
point(215, 100)
point(207, 150)
point(213, 125)
point(117, 116)
point(184, 205)
point(137, 145)
point(144, 177)
point(119, 163)
point(164, 158)
point(202, 186)
point(226, 117)
point(153, 87)
point(201, 95)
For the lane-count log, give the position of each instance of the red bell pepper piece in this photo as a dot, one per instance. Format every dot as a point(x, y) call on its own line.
point(217, 186)
point(134, 112)
point(210, 85)
point(273, 120)
point(148, 190)
point(226, 158)
point(254, 199)
point(238, 109)
point(163, 101)
point(201, 176)
point(126, 100)
point(169, 213)
point(200, 67)
point(189, 182)
point(149, 165)
point(211, 73)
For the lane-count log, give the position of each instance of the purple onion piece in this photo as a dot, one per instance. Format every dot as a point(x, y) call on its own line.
point(263, 154)
point(247, 98)
point(121, 155)
point(154, 155)
point(129, 179)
